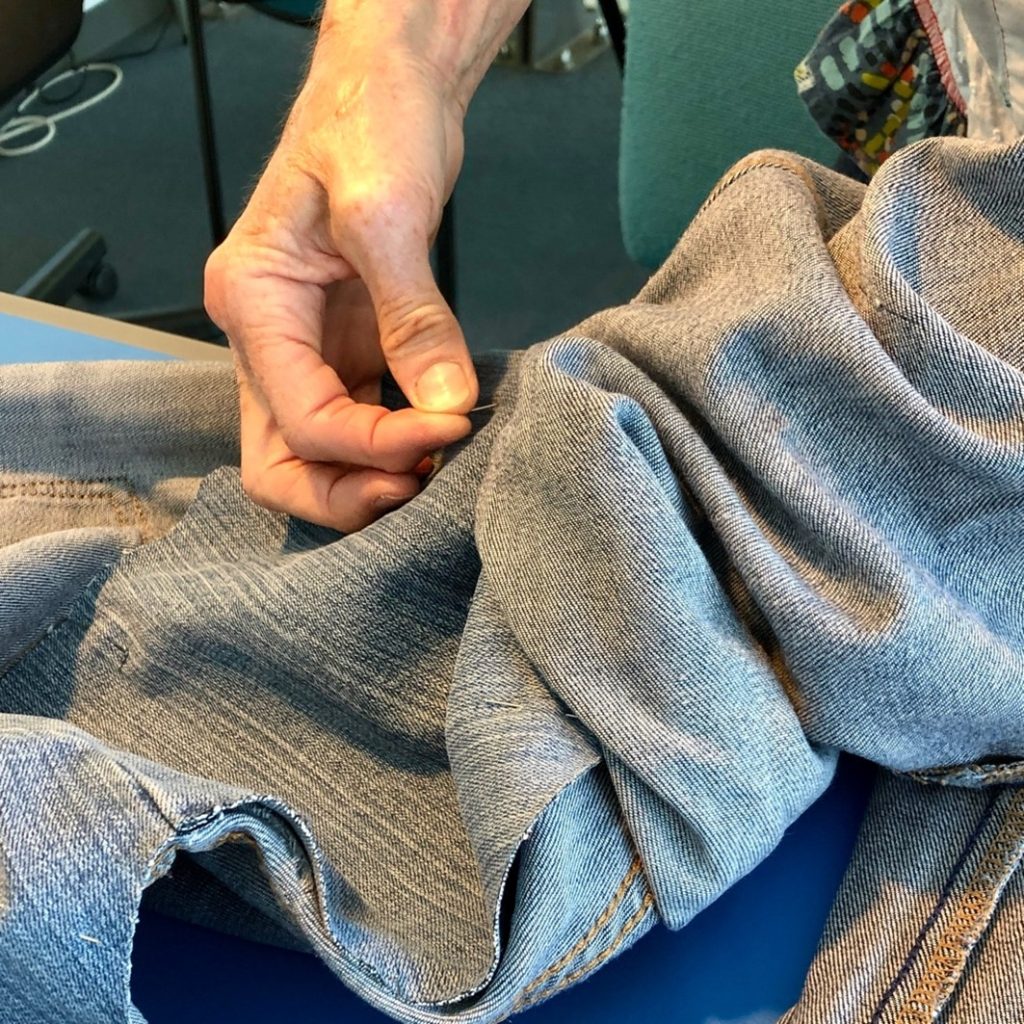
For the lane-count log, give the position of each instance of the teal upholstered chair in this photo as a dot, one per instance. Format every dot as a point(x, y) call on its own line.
point(706, 82)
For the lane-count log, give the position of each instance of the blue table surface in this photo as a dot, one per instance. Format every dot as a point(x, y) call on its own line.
point(741, 961)
point(29, 341)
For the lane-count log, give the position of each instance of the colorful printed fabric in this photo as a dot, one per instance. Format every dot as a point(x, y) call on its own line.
point(872, 82)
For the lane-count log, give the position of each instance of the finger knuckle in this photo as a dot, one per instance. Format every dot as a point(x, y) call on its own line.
point(372, 206)
point(412, 326)
point(219, 276)
point(214, 280)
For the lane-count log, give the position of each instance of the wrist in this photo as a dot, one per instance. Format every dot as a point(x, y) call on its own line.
point(451, 41)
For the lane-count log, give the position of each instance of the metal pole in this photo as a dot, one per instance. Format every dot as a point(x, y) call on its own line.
point(204, 111)
point(616, 29)
point(526, 37)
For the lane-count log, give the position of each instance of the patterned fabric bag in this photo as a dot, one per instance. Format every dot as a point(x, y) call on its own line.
point(873, 82)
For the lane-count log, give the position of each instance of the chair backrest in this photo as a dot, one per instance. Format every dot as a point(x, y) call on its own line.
point(34, 35)
point(706, 82)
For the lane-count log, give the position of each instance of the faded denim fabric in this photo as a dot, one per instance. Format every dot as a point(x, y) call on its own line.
point(769, 511)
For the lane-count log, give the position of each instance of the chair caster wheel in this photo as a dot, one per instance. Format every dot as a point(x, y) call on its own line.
point(101, 284)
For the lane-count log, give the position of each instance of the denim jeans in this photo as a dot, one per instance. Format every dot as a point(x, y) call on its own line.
point(769, 511)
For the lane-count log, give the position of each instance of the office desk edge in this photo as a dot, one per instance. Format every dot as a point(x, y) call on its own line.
point(110, 330)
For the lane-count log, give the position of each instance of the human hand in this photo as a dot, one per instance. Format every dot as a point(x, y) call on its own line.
point(325, 281)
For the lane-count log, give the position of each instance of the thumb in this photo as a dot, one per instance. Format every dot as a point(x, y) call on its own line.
point(419, 335)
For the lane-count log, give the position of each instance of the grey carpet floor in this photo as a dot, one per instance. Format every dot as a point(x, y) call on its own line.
point(537, 227)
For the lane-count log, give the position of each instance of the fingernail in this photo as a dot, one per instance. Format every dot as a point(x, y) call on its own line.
point(443, 387)
point(386, 502)
point(424, 467)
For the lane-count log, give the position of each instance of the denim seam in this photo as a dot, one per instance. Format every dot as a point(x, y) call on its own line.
point(754, 163)
point(57, 487)
point(1011, 774)
point(634, 919)
point(943, 898)
point(77, 490)
point(65, 616)
point(970, 919)
point(299, 837)
point(94, 489)
point(61, 487)
point(602, 919)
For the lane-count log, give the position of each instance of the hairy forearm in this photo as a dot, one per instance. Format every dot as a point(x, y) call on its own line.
point(455, 39)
